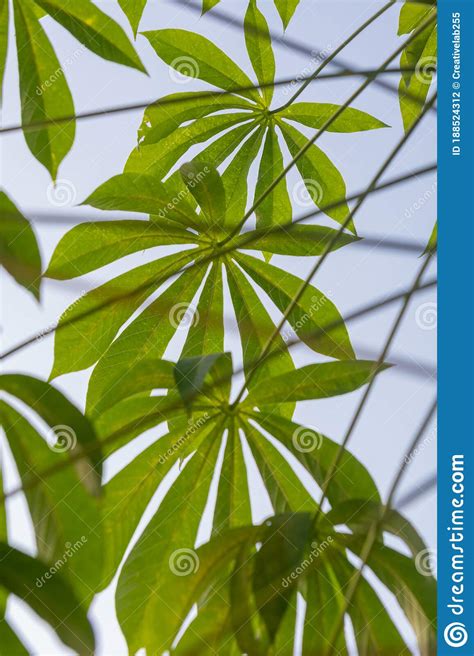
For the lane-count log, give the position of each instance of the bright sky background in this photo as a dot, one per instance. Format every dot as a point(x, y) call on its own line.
point(352, 277)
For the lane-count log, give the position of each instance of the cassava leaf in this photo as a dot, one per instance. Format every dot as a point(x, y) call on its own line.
point(4, 22)
point(74, 431)
point(297, 240)
point(206, 186)
point(94, 29)
point(315, 381)
point(286, 9)
point(315, 115)
point(54, 602)
point(19, 252)
point(44, 91)
point(63, 534)
point(133, 9)
point(195, 56)
point(324, 183)
point(432, 244)
point(259, 48)
point(312, 314)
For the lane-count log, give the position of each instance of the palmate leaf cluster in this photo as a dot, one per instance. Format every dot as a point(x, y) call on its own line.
point(200, 577)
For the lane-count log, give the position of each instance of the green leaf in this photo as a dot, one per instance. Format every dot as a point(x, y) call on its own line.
point(204, 376)
point(208, 4)
point(315, 115)
point(364, 514)
point(137, 483)
point(74, 431)
point(259, 48)
point(87, 328)
point(235, 178)
point(413, 14)
point(54, 602)
point(144, 339)
point(90, 246)
point(65, 517)
point(168, 113)
point(129, 192)
point(233, 494)
point(324, 184)
point(286, 9)
point(133, 9)
point(205, 184)
point(11, 643)
point(4, 23)
point(163, 554)
point(159, 158)
point(286, 491)
point(44, 91)
point(432, 245)
point(94, 29)
point(315, 381)
point(317, 453)
point(414, 87)
point(276, 208)
point(19, 252)
point(312, 314)
point(195, 56)
point(255, 328)
point(415, 592)
point(206, 333)
point(297, 240)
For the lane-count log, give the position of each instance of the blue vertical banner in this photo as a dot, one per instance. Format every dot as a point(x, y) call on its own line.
point(456, 327)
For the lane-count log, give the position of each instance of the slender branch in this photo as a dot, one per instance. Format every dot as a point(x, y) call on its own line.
point(199, 261)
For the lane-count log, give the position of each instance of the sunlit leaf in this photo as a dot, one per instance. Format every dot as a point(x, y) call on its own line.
point(133, 9)
point(259, 48)
point(315, 115)
point(44, 91)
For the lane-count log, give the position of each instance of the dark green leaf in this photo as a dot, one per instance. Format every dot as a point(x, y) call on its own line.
point(74, 431)
point(19, 252)
point(54, 602)
point(4, 22)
